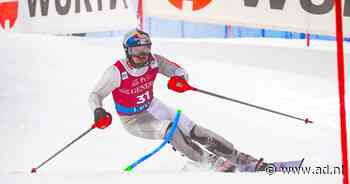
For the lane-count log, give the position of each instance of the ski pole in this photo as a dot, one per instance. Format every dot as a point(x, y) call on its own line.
point(306, 120)
point(34, 170)
point(180, 85)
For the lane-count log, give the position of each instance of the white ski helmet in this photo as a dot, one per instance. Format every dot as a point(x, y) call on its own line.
point(137, 43)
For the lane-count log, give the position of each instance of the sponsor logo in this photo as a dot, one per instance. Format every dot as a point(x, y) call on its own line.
point(320, 8)
point(124, 75)
point(196, 4)
point(8, 13)
point(135, 83)
point(141, 80)
point(71, 6)
point(138, 89)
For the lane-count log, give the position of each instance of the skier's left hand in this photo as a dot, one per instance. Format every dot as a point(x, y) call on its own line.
point(178, 84)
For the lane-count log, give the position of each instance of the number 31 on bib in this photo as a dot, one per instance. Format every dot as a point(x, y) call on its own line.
point(142, 98)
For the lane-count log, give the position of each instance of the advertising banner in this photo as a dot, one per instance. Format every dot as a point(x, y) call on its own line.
point(66, 16)
point(307, 16)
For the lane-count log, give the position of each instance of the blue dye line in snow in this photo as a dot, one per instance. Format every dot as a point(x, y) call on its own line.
point(167, 138)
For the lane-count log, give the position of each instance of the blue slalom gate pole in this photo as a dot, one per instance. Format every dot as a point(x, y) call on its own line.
point(167, 138)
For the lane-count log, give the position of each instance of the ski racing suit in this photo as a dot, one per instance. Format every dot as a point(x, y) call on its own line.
point(145, 116)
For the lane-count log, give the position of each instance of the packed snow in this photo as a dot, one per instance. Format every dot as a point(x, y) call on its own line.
point(45, 83)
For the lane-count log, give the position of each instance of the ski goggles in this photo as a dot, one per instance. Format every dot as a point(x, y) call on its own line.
point(140, 50)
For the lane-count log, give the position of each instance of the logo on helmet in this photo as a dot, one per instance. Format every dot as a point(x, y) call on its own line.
point(196, 4)
point(141, 39)
point(8, 13)
point(137, 38)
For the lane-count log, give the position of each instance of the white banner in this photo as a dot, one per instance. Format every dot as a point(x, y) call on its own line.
point(66, 16)
point(307, 16)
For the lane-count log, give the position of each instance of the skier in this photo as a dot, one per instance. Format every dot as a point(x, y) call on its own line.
point(130, 80)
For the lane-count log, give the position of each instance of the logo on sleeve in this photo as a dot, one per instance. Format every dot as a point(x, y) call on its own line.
point(124, 75)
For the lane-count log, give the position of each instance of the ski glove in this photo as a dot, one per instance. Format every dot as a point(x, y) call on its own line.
point(179, 84)
point(102, 118)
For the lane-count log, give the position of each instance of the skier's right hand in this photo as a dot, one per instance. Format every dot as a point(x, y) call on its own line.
point(102, 118)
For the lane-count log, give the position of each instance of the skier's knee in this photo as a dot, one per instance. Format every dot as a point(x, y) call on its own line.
point(184, 145)
point(211, 140)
